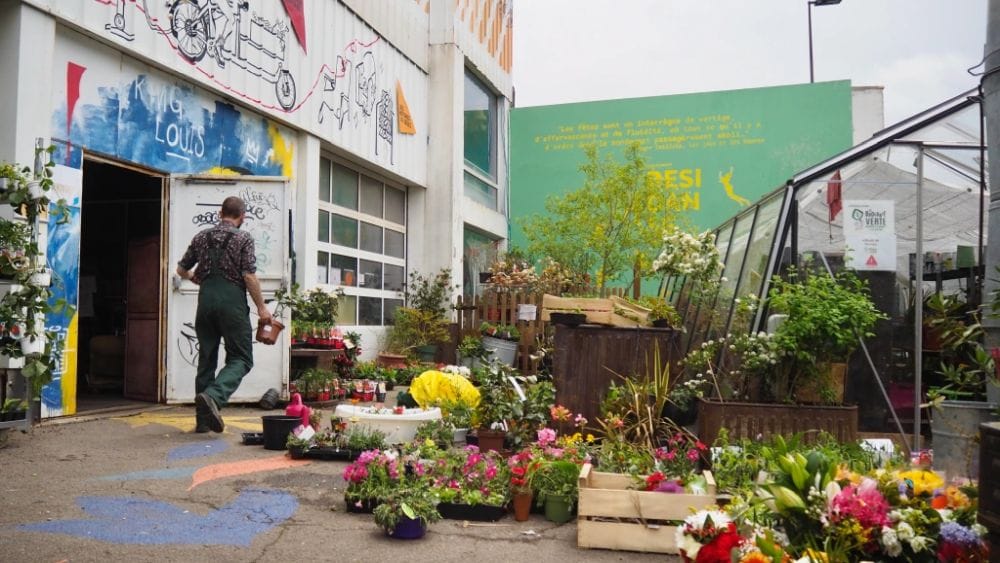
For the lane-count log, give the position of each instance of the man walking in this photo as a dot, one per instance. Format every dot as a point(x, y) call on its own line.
point(227, 267)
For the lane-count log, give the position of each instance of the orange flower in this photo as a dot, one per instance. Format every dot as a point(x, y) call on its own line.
point(755, 557)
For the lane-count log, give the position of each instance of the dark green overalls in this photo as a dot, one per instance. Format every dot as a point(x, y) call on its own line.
point(222, 313)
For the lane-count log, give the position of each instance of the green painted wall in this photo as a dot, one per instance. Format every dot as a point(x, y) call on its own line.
point(714, 152)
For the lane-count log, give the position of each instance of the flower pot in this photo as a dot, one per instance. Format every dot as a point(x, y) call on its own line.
point(395, 361)
point(504, 350)
point(955, 436)
point(41, 279)
point(426, 353)
point(660, 323)
point(33, 345)
point(557, 509)
point(277, 427)
point(522, 506)
point(35, 190)
point(491, 440)
point(408, 529)
point(297, 452)
point(267, 333)
point(459, 434)
point(567, 319)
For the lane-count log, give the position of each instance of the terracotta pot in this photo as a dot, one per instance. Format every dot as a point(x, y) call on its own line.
point(491, 440)
point(522, 506)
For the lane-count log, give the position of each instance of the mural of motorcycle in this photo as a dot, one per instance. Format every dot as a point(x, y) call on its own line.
point(259, 45)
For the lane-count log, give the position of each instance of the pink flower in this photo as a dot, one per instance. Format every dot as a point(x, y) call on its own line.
point(491, 472)
point(579, 420)
point(862, 502)
point(546, 436)
point(692, 454)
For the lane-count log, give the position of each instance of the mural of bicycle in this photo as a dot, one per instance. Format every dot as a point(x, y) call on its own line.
point(227, 34)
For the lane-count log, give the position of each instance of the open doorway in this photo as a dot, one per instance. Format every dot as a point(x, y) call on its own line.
point(120, 295)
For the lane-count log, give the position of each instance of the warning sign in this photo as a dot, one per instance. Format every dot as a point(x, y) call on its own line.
point(871, 261)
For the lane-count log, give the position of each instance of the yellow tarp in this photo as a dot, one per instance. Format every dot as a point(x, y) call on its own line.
point(434, 388)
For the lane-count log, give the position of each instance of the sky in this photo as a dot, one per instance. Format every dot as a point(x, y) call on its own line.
point(582, 50)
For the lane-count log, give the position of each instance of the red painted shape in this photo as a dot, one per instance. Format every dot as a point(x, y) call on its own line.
point(297, 13)
point(74, 74)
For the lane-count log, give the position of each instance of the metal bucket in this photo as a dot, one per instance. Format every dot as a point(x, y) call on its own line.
point(504, 350)
point(955, 435)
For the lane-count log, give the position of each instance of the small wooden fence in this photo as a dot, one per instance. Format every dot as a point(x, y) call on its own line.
point(501, 307)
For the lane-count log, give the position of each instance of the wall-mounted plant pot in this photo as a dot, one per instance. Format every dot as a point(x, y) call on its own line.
point(567, 319)
point(31, 346)
point(35, 190)
point(3, 185)
point(42, 278)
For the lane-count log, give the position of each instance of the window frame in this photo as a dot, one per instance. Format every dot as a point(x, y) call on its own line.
point(488, 177)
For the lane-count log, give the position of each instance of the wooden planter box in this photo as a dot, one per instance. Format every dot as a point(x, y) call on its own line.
point(753, 420)
point(613, 311)
point(611, 516)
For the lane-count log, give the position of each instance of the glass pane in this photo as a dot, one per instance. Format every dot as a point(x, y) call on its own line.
point(345, 231)
point(322, 267)
point(345, 187)
point(480, 117)
point(480, 192)
point(757, 254)
point(395, 205)
point(324, 179)
point(696, 312)
point(324, 226)
point(389, 314)
point(369, 311)
point(395, 244)
point(371, 196)
point(371, 237)
point(343, 270)
point(371, 275)
point(395, 278)
point(348, 315)
point(727, 289)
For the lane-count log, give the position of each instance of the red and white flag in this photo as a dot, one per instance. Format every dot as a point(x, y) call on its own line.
point(833, 197)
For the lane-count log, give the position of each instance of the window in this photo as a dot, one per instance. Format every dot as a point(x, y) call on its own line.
point(480, 142)
point(362, 243)
point(480, 125)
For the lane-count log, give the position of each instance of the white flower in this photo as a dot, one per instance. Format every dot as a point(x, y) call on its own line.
point(919, 543)
point(979, 529)
point(905, 531)
point(891, 542)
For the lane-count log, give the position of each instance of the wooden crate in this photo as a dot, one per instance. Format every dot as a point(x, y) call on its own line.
point(598, 311)
point(611, 516)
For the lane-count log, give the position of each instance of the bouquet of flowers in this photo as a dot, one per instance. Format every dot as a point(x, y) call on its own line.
point(707, 536)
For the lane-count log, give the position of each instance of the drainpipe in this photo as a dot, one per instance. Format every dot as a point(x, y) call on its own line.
point(990, 86)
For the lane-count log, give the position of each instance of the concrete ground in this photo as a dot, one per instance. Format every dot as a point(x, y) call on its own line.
point(144, 487)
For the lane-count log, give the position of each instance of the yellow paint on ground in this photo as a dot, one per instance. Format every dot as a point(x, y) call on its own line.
point(185, 422)
point(232, 469)
point(283, 151)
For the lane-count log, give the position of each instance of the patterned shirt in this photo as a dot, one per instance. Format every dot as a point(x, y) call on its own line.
point(239, 257)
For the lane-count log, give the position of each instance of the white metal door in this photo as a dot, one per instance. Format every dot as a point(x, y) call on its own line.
point(194, 205)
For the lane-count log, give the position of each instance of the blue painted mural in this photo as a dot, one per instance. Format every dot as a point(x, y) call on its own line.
point(170, 127)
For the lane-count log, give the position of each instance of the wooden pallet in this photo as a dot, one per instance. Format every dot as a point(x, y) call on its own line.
point(613, 311)
point(612, 516)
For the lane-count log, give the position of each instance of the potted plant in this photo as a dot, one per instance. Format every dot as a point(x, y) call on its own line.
point(422, 325)
point(406, 512)
point(499, 403)
point(523, 466)
point(471, 484)
point(458, 414)
point(296, 446)
point(557, 484)
point(661, 313)
point(472, 353)
point(502, 340)
point(370, 478)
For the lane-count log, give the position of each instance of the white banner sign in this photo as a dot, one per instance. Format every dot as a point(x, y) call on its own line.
point(870, 234)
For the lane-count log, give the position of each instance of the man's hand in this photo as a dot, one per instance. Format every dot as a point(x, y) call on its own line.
point(253, 288)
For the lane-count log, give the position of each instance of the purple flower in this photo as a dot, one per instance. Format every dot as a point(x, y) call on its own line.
point(953, 532)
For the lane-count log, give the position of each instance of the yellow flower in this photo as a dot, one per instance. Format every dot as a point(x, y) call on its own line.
point(956, 498)
point(428, 442)
point(755, 557)
point(845, 474)
point(812, 556)
point(921, 481)
point(590, 438)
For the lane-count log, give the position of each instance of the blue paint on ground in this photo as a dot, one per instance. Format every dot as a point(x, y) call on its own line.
point(153, 474)
point(125, 520)
point(200, 449)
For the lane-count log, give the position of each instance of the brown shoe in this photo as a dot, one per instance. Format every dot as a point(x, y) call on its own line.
point(211, 412)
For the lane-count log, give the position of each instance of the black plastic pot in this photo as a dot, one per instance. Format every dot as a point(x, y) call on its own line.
point(661, 323)
point(567, 319)
point(277, 427)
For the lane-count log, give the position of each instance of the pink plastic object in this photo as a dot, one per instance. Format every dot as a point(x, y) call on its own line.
point(295, 407)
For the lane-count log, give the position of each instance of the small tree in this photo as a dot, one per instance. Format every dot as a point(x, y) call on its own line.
point(613, 222)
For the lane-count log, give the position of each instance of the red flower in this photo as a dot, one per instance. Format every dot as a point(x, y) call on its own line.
point(720, 549)
point(653, 480)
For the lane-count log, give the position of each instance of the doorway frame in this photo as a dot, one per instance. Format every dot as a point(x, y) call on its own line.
point(164, 178)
